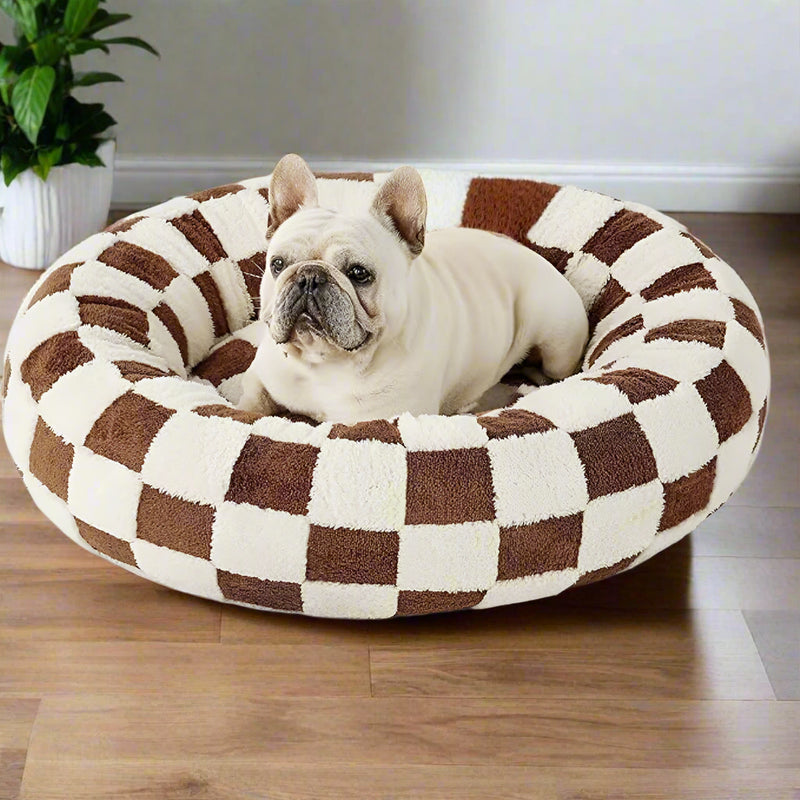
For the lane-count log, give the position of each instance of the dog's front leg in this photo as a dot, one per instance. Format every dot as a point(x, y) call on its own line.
point(255, 397)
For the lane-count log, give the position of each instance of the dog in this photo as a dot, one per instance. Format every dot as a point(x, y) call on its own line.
point(368, 315)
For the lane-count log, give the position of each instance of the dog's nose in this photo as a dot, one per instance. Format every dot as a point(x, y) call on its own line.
point(310, 279)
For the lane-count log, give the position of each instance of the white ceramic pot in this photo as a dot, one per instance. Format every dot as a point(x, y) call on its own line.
point(40, 220)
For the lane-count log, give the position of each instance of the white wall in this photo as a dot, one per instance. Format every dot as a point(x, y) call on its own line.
point(680, 103)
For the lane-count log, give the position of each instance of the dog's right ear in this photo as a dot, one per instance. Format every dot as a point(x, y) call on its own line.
point(293, 186)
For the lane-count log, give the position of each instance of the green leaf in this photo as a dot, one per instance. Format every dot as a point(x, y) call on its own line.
point(30, 98)
point(78, 15)
point(48, 158)
point(48, 50)
point(91, 78)
point(102, 19)
point(12, 163)
point(89, 159)
point(81, 46)
point(24, 14)
point(133, 41)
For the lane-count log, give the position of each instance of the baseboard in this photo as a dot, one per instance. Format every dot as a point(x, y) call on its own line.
point(145, 181)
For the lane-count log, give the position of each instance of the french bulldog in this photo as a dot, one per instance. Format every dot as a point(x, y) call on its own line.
point(368, 315)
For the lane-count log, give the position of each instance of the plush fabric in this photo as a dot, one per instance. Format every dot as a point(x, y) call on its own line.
point(123, 366)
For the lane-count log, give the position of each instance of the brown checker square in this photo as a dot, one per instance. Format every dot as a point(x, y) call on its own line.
point(143, 264)
point(637, 384)
point(123, 225)
point(514, 422)
point(619, 234)
point(544, 546)
point(449, 486)
point(278, 595)
point(615, 455)
point(104, 543)
point(125, 430)
point(687, 495)
point(380, 430)
point(173, 325)
point(232, 358)
point(115, 315)
point(57, 281)
point(271, 474)
point(628, 328)
point(704, 249)
point(6, 377)
point(416, 603)
point(51, 459)
point(506, 206)
point(707, 331)
point(604, 572)
point(682, 279)
point(342, 555)
point(201, 236)
point(727, 400)
point(612, 296)
point(227, 412)
point(53, 358)
point(747, 318)
point(135, 371)
point(217, 191)
point(252, 271)
point(555, 255)
point(210, 291)
point(174, 523)
point(762, 418)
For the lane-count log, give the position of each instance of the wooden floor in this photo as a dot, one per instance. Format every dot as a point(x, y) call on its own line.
point(680, 679)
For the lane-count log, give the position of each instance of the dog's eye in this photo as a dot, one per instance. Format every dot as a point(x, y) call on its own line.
point(359, 274)
point(276, 265)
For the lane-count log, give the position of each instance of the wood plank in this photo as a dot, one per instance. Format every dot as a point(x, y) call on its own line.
point(142, 669)
point(387, 731)
point(747, 531)
point(93, 604)
point(17, 716)
point(193, 777)
point(38, 546)
point(16, 505)
point(777, 637)
point(718, 661)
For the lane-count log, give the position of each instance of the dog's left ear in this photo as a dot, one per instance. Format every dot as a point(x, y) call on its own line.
point(402, 207)
point(293, 186)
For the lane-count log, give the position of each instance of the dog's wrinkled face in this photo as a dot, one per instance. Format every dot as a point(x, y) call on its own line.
point(336, 284)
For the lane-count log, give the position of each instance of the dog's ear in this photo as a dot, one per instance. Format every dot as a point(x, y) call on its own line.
point(293, 186)
point(401, 206)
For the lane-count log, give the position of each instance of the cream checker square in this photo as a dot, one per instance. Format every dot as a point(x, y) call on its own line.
point(104, 494)
point(192, 457)
point(373, 471)
point(536, 476)
point(349, 600)
point(461, 557)
point(261, 543)
point(586, 212)
point(680, 431)
point(620, 525)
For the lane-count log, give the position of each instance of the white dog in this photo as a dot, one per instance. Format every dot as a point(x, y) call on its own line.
point(368, 317)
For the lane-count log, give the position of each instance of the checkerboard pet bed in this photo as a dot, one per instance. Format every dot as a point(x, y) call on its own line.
point(123, 366)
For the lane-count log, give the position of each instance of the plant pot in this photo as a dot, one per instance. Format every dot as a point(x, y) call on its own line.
point(40, 220)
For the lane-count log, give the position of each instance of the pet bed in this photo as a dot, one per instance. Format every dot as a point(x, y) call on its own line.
point(122, 370)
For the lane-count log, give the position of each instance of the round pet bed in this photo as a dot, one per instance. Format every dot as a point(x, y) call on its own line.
point(123, 368)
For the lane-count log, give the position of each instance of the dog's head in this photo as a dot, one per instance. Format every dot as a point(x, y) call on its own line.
point(336, 283)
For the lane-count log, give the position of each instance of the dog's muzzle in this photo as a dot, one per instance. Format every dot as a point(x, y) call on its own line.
point(314, 295)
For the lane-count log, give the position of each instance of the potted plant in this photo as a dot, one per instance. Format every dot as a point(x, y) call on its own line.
point(56, 152)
